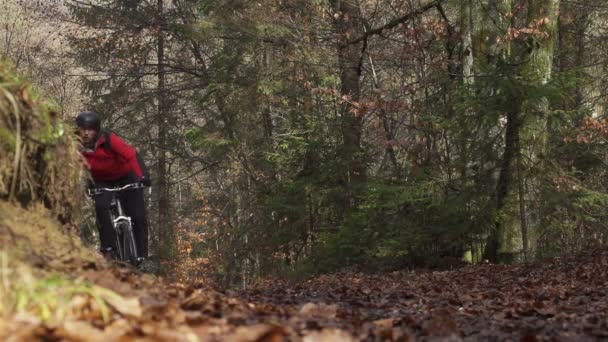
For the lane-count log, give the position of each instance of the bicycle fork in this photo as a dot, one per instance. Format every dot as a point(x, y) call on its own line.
point(121, 226)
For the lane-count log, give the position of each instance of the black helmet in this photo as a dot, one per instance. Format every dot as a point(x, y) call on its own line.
point(88, 120)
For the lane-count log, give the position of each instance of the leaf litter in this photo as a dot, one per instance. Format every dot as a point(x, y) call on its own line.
point(554, 300)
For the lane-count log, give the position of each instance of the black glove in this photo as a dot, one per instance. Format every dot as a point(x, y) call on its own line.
point(145, 181)
point(90, 184)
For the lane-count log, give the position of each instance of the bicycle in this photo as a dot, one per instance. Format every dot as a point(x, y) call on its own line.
point(123, 227)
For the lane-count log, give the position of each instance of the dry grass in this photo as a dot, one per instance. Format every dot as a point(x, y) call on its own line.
point(39, 197)
point(34, 303)
point(33, 235)
point(39, 176)
point(39, 161)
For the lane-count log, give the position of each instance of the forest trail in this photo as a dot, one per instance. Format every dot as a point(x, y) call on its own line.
point(284, 128)
point(560, 299)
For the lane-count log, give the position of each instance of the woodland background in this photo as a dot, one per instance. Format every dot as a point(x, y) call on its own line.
point(295, 137)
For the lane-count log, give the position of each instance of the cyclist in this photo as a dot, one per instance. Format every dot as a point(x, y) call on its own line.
point(112, 162)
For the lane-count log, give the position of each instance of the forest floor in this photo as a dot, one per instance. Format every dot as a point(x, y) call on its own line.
point(559, 300)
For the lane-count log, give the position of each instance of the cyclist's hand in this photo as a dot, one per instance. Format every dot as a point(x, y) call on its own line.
point(145, 181)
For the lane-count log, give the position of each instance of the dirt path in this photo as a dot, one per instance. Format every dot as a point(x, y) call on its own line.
point(562, 299)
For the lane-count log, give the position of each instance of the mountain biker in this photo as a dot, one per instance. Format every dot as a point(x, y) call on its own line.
point(112, 162)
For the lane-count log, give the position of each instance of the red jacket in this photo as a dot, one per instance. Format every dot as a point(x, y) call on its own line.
point(113, 163)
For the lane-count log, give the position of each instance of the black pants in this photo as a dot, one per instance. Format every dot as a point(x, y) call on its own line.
point(133, 203)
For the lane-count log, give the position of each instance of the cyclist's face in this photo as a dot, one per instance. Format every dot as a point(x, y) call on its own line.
point(87, 135)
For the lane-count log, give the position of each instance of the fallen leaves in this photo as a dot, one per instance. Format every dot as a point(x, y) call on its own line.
point(80, 331)
point(563, 299)
point(320, 310)
point(128, 307)
point(257, 333)
point(329, 335)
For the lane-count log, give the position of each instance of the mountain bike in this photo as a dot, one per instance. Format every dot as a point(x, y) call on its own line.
point(123, 227)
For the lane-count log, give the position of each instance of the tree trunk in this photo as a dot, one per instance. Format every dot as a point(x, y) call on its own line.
point(571, 36)
point(466, 35)
point(166, 231)
point(496, 24)
point(539, 67)
point(523, 216)
point(503, 186)
point(540, 62)
point(388, 134)
point(536, 68)
point(348, 25)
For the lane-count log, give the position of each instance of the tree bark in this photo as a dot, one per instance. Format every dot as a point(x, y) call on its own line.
point(536, 68)
point(523, 216)
point(503, 186)
point(495, 24)
point(466, 37)
point(539, 67)
point(571, 40)
point(348, 25)
point(166, 231)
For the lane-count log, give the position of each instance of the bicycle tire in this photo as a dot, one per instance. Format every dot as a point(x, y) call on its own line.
point(130, 248)
point(120, 249)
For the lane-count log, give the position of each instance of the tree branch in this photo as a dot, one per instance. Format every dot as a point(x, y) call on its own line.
point(396, 21)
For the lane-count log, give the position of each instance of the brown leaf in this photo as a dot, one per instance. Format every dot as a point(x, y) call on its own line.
point(25, 94)
point(194, 317)
point(329, 335)
point(320, 310)
point(117, 329)
point(20, 332)
point(169, 334)
point(384, 328)
point(441, 324)
point(257, 333)
point(195, 301)
point(385, 323)
point(77, 331)
point(126, 306)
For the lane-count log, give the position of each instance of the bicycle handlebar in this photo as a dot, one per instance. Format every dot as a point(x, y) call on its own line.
point(97, 191)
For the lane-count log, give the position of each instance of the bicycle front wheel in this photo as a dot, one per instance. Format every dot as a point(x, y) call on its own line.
point(130, 248)
point(120, 249)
